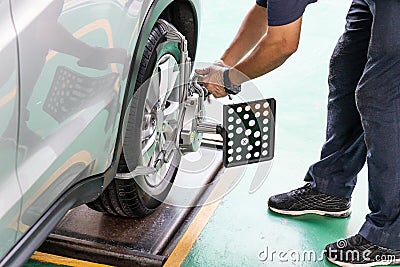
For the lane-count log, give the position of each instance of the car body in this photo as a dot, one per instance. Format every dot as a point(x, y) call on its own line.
point(68, 73)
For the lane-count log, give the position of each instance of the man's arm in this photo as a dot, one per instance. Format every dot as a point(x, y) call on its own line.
point(252, 29)
point(271, 52)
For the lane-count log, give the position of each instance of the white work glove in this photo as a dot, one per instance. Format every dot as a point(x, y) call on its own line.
point(213, 79)
point(220, 63)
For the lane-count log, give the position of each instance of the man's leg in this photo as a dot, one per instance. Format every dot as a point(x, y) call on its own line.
point(343, 155)
point(378, 100)
point(344, 152)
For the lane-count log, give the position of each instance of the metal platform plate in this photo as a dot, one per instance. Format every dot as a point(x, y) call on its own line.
point(92, 236)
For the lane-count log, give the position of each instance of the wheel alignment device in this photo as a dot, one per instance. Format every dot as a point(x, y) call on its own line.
point(248, 129)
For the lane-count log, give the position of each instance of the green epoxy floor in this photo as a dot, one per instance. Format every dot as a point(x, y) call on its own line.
point(32, 263)
point(241, 227)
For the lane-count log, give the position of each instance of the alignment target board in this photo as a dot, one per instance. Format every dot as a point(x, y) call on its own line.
point(249, 132)
point(71, 92)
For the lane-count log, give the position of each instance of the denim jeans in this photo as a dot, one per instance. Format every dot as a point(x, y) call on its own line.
point(364, 117)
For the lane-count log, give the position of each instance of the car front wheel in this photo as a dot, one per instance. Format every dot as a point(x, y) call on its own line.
point(152, 125)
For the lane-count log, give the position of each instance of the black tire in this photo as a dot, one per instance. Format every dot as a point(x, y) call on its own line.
point(130, 197)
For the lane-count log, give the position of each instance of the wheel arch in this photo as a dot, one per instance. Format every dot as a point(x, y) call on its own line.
point(183, 14)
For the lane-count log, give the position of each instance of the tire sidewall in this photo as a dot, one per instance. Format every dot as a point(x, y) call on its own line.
point(151, 197)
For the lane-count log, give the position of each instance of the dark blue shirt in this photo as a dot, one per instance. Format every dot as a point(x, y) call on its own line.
point(282, 12)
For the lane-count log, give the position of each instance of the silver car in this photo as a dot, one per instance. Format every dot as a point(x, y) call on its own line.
point(82, 119)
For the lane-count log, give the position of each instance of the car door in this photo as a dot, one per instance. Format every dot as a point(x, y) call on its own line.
point(10, 193)
point(73, 63)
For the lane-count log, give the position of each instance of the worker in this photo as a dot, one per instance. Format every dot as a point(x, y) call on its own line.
point(363, 117)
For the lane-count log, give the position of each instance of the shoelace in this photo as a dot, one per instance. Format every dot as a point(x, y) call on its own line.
point(303, 189)
point(356, 240)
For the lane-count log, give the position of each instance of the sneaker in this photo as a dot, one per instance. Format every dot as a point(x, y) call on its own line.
point(306, 200)
point(358, 251)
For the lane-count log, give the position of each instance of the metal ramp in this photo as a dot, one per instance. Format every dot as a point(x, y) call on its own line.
point(88, 235)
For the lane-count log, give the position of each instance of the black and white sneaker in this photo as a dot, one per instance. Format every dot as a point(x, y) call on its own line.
point(357, 251)
point(306, 200)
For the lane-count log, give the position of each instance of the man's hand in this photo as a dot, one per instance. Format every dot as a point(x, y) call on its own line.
point(213, 79)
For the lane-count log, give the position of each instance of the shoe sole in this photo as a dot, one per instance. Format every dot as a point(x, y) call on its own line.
point(345, 264)
point(335, 214)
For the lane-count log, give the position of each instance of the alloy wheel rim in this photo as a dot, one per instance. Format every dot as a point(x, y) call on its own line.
point(160, 118)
